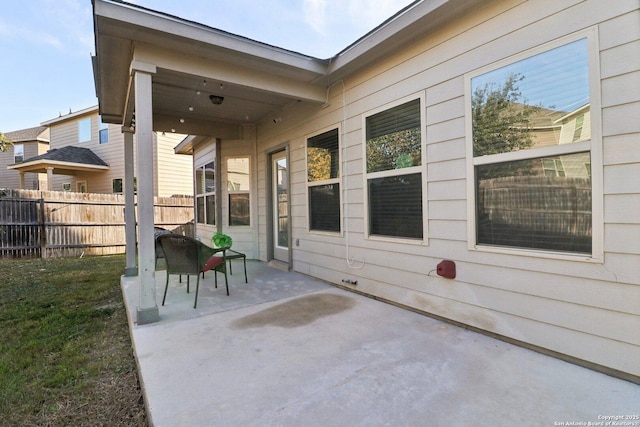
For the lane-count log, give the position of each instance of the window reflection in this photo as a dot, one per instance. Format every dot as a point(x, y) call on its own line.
point(539, 101)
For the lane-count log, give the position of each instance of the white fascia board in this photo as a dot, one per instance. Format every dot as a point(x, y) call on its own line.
point(394, 30)
point(70, 116)
point(56, 164)
point(175, 26)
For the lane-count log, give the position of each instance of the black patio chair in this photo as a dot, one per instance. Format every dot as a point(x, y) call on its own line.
point(185, 255)
point(159, 231)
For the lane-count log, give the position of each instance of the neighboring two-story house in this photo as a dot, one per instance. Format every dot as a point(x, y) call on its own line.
point(87, 156)
point(26, 143)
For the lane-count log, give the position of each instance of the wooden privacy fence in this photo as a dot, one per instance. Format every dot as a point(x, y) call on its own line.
point(51, 224)
point(535, 212)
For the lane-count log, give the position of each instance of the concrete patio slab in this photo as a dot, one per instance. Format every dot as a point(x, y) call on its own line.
point(288, 350)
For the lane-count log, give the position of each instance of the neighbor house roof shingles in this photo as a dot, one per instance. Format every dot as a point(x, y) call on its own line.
point(70, 154)
point(30, 134)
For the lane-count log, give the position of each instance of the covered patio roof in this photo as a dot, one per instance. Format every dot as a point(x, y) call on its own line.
point(250, 80)
point(193, 64)
point(66, 161)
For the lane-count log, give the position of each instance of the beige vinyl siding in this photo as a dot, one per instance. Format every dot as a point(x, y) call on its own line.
point(574, 307)
point(621, 156)
point(11, 178)
point(65, 133)
point(62, 134)
point(244, 237)
point(112, 153)
point(170, 167)
point(172, 172)
point(33, 181)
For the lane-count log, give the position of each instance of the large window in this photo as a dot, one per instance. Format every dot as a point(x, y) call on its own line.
point(238, 189)
point(394, 157)
point(18, 153)
point(206, 194)
point(84, 130)
point(531, 151)
point(323, 181)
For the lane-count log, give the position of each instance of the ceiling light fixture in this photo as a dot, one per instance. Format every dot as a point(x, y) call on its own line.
point(216, 99)
point(190, 108)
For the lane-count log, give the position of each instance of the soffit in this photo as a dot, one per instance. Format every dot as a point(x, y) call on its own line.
point(277, 79)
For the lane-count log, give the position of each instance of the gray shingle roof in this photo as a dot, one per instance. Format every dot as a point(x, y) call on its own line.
point(25, 134)
point(71, 154)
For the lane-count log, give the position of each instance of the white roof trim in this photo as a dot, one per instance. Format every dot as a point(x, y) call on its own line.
point(70, 116)
point(58, 164)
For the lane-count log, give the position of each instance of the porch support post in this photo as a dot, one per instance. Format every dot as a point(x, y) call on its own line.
point(21, 178)
point(130, 204)
point(147, 311)
point(50, 179)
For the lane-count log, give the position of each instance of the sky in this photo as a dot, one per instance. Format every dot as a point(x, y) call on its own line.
point(46, 45)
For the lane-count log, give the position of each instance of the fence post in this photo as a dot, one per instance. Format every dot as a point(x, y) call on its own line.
point(43, 231)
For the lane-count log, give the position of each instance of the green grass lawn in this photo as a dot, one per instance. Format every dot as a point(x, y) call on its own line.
point(65, 351)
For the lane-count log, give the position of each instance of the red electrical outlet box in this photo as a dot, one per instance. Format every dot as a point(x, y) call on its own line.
point(447, 269)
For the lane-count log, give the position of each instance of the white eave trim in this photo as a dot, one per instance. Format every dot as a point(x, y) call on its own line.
point(70, 116)
point(57, 164)
point(185, 146)
point(190, 30)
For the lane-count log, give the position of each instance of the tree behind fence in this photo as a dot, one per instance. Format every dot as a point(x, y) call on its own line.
point(51, 224)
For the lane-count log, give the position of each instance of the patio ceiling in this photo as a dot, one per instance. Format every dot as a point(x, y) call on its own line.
point(194, 62)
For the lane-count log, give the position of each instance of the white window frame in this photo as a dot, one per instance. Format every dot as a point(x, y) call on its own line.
point(230, 192)
point(18, 151)
point(330, 181)
point(422, 169)
point(82, 130)
point(594, 146)
point(201, 165)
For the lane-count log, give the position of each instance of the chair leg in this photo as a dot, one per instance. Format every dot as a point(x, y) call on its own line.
point(230, 269)
point(245, 270)
point(215, 273)
point(187, 283)
point(197, 287)
point(166, 286)
point(226, 282)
